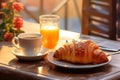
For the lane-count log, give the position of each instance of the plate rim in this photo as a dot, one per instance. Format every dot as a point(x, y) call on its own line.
point(23, 57)
point(51, 59)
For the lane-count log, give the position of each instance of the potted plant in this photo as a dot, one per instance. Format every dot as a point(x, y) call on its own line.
point(11, 21)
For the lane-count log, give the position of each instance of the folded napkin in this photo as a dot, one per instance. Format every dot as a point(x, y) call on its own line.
point(109, 45)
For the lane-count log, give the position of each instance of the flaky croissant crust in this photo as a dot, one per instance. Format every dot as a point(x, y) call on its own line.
point(83, 52)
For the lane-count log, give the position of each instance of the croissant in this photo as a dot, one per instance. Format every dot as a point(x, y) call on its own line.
point(83, 52)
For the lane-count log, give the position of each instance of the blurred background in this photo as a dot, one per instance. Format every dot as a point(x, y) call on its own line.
point(97, 17)
point(68, 10)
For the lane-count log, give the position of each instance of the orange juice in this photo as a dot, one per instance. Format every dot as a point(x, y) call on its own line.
point(50, 36)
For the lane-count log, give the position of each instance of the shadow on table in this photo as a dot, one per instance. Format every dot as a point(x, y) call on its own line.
point(103, 69)
point(22, 70)
point(24, 65)
point(28, 65)
point(57, 71)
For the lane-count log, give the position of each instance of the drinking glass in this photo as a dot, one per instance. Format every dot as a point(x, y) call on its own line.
point(49, 28)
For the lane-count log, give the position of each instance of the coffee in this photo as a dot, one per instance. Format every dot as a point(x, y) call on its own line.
point(30, 37)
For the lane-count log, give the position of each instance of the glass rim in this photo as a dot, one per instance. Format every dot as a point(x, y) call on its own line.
point(49, 16)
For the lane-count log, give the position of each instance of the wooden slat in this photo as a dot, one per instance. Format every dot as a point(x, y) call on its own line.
point(99, 34)
point(97, 31)
point(113, 19)
point(100, 21)
point(94, 12)
point(106, 1)
point(99, 28)
point(100, 3)
point(85, 18)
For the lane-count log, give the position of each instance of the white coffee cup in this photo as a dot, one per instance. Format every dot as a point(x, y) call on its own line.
point(28, 43)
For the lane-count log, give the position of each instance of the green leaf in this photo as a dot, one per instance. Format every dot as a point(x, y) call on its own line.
point(1, 35)
point(2, 26)
point(18, 32)
point(21, 31)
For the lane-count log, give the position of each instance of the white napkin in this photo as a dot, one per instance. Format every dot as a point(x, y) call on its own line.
point(110, 45)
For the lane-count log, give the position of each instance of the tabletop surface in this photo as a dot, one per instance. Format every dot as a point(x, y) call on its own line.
point(8, 62)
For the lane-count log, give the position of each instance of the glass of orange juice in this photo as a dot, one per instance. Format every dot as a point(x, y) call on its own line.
point(49, 28)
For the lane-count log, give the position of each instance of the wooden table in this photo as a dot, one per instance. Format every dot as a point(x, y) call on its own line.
point(12, 68)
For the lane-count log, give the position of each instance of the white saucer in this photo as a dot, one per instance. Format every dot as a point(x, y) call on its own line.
point(21, 56)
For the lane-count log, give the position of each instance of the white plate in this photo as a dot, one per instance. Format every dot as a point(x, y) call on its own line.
point(52, 60)
point(20, 56)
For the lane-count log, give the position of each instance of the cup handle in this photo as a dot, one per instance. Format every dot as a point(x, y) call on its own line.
point(15, 42)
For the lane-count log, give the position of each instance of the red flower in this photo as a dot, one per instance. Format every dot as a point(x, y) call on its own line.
point(17, 6)
point(8, 36)
point(18, 23)
point(11, 19)
point(3, 4)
